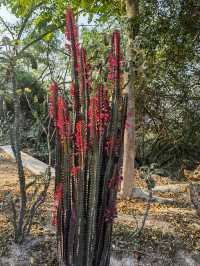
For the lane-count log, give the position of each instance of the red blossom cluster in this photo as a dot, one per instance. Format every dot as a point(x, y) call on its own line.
point(58, 111)
point(91, 116)
point(57, 199)
point(72, 37)
point(115, 60)
point(75, 170)
point(85, 79)
point(103, 111)
point(63, 122)
point(53, 91)
point(99, 112)
point(79, 138)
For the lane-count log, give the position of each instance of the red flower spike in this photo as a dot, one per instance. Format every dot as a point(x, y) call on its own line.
point(53, 91)
point(91, 116)
point(72, 36)
point(74, 171)
point(63, 122)
point(99, 111)
point(58, 196)
point(116, 42)
point(69, 20)
point(79, 135)
point(115, 60)
point(84, 75)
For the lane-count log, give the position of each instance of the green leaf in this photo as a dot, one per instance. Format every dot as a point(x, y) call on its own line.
point(19, 92)
point(48, 37)
point(151, 183)
point(84, 4)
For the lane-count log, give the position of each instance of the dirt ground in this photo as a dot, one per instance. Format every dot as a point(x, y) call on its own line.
point(171, 235)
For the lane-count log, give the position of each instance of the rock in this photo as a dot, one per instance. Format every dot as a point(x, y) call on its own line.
point(127, 261)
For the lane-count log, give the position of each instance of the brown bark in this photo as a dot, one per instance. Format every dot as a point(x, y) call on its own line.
point(1, 107)
point(129, 137)
point(16, 146)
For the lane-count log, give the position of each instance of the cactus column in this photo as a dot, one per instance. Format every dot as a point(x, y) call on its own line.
point(89, 140)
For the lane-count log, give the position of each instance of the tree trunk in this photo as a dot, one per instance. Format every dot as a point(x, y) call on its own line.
point(1, 107)
point(16, 146)
point(129, 137)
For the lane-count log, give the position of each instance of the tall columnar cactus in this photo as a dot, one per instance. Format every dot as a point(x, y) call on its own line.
point(89, 127)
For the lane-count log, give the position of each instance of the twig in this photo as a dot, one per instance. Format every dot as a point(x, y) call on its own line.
point(14, 218)
point(7, 27)
point(145, 213)
point(40, 199)
point(29, 104)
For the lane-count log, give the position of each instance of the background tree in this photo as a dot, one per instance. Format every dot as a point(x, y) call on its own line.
point(16, 57)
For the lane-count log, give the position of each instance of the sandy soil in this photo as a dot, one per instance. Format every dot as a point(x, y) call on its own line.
point(171, 235)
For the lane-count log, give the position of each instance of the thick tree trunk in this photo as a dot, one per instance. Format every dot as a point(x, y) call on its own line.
point(129, 137)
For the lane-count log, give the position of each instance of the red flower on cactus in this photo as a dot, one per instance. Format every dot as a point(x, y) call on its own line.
point(116, 42)
point(105, 109)
point(57, 199)
point(71, 26)
point(75, 170)
point(110, 214)
point(91, 116)
point(85, 81)
point(53, 91)
point(63, 122)
point(115, 60)
point(79, 135)
point(99, 111)
point(72, 36)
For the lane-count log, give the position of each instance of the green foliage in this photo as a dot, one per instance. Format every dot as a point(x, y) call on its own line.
point(168, 91)
point(147, 172)
point(167, 68)
point(52, 11)
point(5, 123)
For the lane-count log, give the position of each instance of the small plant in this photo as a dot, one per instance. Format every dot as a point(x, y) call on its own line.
point(89, 128)
point(147, 172)
point(36, 192)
